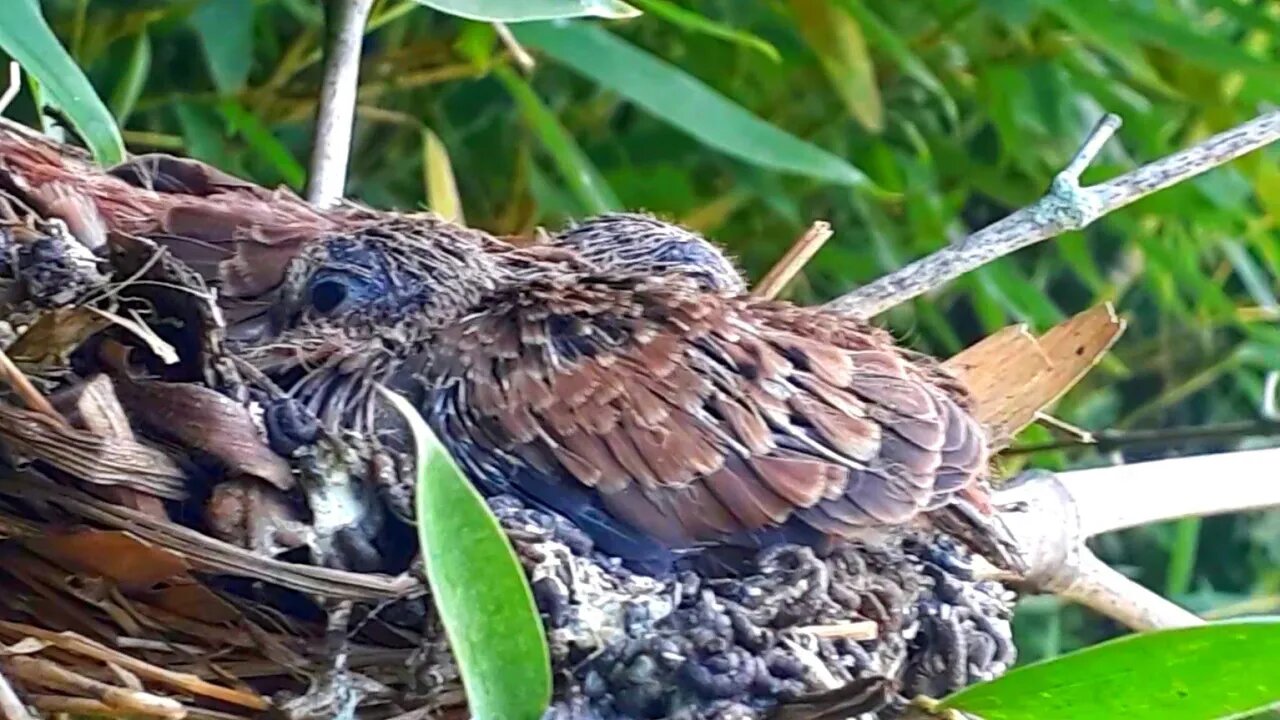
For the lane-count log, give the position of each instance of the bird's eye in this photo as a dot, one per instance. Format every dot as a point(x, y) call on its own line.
point(328, 295)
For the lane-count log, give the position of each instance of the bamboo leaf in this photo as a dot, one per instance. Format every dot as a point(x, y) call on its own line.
point(684, 101)
point(478, 586)
point(836, 38)
point(26, 36)
point(694, 22)
point(525, 10)
point(442, 187)
point(129, 89)
point(260, 138)
point(225, 28)
point(575, 167)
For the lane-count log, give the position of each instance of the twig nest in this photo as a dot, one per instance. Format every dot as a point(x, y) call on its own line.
point(788, 623)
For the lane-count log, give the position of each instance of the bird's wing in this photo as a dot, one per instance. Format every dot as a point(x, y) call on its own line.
point(697, 417)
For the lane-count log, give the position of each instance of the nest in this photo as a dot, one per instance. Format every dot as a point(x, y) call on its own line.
point(159, 561)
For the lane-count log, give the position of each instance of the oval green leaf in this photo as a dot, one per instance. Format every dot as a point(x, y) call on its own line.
point(26, 37)
point(1206, 672)
point(682, 100)
point(525, 10)
point(478, 587)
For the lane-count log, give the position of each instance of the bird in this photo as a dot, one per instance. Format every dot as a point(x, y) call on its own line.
point(642, 245)
point(655, 413)
point(644, 397)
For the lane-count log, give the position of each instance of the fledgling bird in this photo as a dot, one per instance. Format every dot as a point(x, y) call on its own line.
point(656, 414)
point(641, 245)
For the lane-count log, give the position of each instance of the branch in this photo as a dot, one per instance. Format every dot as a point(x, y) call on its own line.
point(1066, 207)
point(1051, 517)
point(335, 114)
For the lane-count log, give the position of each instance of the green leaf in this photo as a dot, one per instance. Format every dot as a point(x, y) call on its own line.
point(1180, 571)
point(1253, 277)
point(685, 102)
point(880, 35)
point(575, 167)
point(129, 89)
point(1196, 673)
point(478, 587)
point(836, 38)
point(442, 188)
point(524, 10)
point(260, 138)
point(225, 28)
point(26, 36)
point(694, 22)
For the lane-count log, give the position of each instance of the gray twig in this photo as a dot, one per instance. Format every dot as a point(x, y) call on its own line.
point(1066, 207)
point(335, 114)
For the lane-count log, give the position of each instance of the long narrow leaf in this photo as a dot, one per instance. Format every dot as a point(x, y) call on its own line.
point(579, 174)
point(225, 28)
point(129, 89)
point(26, 36)
point(524, 10)
point(442, 187)
point(694, 22)
point(271, 149)
point(478, 586)
point(683, 101)
point(836, 38)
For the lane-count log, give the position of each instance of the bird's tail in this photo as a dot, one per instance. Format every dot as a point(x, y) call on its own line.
point(981, 531)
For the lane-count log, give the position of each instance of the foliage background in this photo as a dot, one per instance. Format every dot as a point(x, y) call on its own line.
point(966, 108)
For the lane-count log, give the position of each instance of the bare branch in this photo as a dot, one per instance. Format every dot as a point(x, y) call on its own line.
point(1066, 207)
point(335, 114)
point(1052, 516)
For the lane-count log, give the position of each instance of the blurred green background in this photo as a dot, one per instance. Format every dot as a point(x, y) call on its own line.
point(961, 109)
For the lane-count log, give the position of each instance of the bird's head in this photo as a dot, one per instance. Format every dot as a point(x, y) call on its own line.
point(393, 283)
point(638, 245)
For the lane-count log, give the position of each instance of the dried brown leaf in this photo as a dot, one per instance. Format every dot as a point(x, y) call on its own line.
point(206, 420)
point(1014, 376)
point(56, 333)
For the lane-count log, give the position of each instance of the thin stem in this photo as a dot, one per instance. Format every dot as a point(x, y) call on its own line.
point(335, 115)
point(1100, 587)
point(1065, 207)
point(1051, 516)
point(518, 53)
point(794, 260)
point(24, 389)
point(1092, 146)
point(1107, 440)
